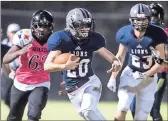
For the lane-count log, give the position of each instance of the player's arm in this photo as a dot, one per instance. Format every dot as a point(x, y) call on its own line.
point(156, 68)
point(14, 52)
point(18, 48)
point(49, 64)
point(106, 54)
point(55, 47)
point(121, 56)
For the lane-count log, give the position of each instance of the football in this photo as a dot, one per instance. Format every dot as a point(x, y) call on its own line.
point(63, 58)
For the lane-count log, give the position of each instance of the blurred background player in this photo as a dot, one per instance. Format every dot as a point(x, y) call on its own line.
point(31, 82)
point(82, 85)
point(157, 18)
point(11, 30)
point(6, 70)
point(139, 77)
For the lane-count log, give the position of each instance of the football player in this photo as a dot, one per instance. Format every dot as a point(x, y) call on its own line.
point(6, 81)
point(79, 38)
point(139, 76)
point(157, 18)
point(31, 83)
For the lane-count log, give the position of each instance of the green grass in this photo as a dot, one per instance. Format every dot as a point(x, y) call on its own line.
point(63, 110)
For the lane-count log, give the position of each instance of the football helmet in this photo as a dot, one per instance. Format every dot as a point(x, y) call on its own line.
point(80, 22)
point(157, 13)
point(42, 25)
point(140, 17)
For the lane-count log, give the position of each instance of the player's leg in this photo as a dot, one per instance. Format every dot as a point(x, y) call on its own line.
point(132, 107)
point(144, 101)
point(161, 86)
point(6, 84)
point(89, 104)
point(125, 97)
point(17, 104)
point(36, 103)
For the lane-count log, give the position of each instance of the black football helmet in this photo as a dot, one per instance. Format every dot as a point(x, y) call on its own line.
point(157, 13)
point(140, 15)
point(42, 20)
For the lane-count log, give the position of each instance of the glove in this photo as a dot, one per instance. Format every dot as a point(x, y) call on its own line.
point(138, 75)
point(156, 56)
point(62, 91)
point(112, 84)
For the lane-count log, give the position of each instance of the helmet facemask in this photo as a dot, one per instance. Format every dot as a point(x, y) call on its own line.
point(42, 31)
point(140, 24)
point(82, 29)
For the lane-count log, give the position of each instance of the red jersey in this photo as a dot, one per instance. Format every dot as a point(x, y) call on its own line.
point(31, 69)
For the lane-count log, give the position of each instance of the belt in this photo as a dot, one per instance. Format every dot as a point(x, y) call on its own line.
point(77, 86)
point(134, 70)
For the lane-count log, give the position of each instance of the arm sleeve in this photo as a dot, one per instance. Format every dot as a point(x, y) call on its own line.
point(161, 37)
point(120, 37)
point(54, 42)
point(22, 38)
point(17, 39)
point(101, 42)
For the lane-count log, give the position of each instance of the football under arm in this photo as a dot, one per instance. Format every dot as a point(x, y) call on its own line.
point(122, 51)
point(106, 54)
point(156, 68)
point(12, 54)
point(49, 64)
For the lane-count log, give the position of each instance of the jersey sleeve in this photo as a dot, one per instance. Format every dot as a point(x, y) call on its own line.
point(55, 42)
point(22, 38)
point(120, 37)
point(101, 41)
point(161, 37)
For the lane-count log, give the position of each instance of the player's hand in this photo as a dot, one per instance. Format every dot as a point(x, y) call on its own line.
point(156, 56)
point(116, 66)
point(24, 49)
point(62, 91)
point(71, 63)
point(112, 84)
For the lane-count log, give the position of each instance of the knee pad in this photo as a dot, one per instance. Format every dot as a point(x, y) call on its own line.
point(90, 115)
point(125, 99)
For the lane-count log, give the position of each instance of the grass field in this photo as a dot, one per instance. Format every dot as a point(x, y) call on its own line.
point(63, 110)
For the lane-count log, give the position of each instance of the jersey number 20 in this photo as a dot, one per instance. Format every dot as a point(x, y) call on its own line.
point(82, 69)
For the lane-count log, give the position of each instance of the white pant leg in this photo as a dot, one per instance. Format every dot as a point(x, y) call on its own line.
point(125, 98)
point(90, 103)
point(145, 100)
point(86, 97)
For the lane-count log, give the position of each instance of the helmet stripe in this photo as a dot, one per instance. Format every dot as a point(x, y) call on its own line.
point(86, 13)
point(83, 12)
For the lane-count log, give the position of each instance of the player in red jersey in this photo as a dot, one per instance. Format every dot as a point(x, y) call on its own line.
point(31, 83)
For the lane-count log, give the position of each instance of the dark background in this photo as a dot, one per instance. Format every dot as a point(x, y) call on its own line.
point(109, 16)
